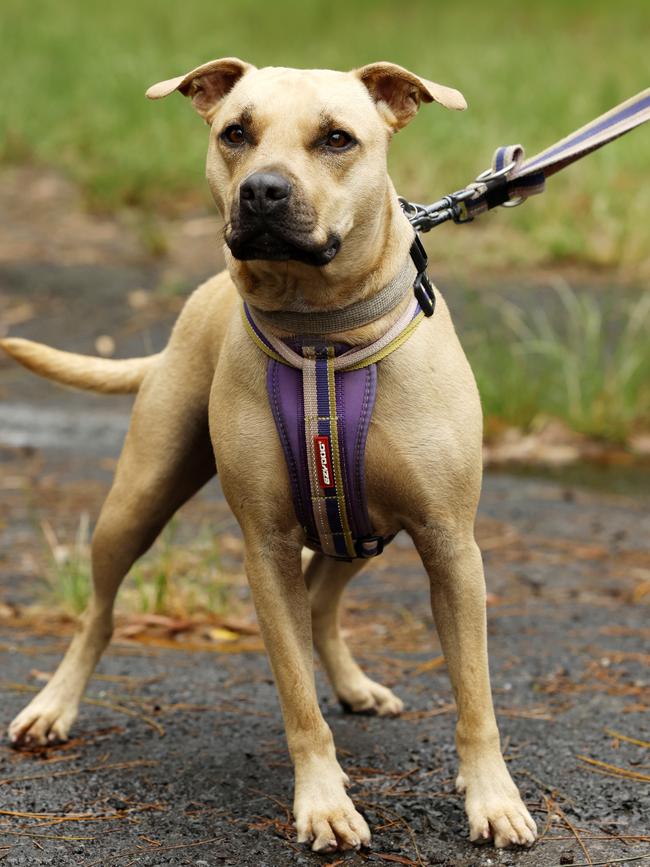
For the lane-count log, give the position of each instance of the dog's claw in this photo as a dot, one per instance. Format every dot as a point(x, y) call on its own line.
point(493, 804)
point(325, 815)
point(45, 720)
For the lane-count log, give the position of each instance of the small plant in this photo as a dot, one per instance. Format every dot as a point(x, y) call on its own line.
point(153, 575)
point(70, 577)
point(173, 579)
point(180, 578)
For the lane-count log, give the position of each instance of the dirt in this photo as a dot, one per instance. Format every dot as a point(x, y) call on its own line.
point(184, 761)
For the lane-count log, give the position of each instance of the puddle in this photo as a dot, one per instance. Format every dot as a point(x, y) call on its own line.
point(85, 430)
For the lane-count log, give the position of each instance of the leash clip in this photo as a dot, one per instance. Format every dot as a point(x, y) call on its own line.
point(422, 288)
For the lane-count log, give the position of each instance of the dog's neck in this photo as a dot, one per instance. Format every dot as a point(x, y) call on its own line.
point(299, 319)
point(354, 302)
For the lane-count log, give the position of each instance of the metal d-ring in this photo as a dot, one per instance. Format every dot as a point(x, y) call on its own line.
point(513, 203)
point(489, 175)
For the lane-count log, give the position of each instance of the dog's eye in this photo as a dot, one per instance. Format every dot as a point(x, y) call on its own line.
point(339, 139)
point(234, 134)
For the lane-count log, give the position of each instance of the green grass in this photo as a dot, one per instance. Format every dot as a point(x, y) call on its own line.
point(68, 578)
point(177, 578)
point(74, 75)
point(574, 356)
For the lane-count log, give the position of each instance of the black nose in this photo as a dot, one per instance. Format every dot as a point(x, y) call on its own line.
point(261, 192)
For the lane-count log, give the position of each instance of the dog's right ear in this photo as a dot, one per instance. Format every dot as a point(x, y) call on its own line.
point(206, 85)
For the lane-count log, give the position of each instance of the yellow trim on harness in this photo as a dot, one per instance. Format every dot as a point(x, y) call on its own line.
point(257, 341)
point(371, 359)
point(391, 347)
point(334, 431)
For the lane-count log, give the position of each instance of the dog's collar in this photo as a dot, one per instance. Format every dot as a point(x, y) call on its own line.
point(356, 315)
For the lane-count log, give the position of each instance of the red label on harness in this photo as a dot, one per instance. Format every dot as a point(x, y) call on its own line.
point(324, 462)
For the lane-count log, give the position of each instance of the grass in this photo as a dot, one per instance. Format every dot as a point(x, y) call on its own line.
point(574, 356)
point(74, 75)
point(69, 576)
point(172, 579)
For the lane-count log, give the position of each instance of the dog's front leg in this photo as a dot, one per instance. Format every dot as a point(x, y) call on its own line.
point(493, 805)
point(324, 814)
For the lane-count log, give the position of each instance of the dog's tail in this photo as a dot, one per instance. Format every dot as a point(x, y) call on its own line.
point(108, 376)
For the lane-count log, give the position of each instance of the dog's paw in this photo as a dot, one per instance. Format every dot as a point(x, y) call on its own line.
point(329, 826)
point(368, 697)
point(325, 816)
point(495, 809)
point(45, 720)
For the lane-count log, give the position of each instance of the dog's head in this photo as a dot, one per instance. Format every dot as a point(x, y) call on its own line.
point(297, 161)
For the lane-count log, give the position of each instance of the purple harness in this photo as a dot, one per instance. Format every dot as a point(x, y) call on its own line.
point(322, 397)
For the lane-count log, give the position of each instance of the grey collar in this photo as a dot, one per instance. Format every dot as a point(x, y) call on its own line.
point(346, 318)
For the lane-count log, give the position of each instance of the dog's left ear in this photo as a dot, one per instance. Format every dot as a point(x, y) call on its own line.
point(398, 92)
point(206, 85)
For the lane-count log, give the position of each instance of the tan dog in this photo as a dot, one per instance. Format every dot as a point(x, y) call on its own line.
point(338, 236)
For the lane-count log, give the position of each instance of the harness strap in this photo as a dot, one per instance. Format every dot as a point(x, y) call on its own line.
point(352, 359)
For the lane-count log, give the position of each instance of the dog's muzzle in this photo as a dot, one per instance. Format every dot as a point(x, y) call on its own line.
point(269, 224)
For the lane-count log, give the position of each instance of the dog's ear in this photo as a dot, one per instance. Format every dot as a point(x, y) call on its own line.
point(206, 85)
point(398, 92)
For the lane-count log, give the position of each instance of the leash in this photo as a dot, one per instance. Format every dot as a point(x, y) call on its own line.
point(512, 178)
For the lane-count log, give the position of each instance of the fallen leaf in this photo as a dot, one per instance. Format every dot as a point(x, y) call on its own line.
point(19, 314)
point(436, 662)
point(218, 633)
point(139, 299)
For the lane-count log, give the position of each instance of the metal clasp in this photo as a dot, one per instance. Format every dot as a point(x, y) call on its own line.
point(422, 288)
point(514, 203)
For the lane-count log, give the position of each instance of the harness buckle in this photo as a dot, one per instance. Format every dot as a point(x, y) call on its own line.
point(423, 291)
point(422, 288)
point(369, 546)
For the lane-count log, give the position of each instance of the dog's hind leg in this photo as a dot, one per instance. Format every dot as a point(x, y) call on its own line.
point(166, 458)
point(327, 579)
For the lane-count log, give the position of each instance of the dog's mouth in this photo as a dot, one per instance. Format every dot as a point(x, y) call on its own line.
point(274, 247)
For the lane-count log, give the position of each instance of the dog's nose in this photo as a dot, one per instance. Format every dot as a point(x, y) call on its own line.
point(261, 192)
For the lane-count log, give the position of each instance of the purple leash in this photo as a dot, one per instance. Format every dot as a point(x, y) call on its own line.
point(512, 179)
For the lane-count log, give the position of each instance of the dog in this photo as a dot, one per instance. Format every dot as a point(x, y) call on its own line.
point(297, 166)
